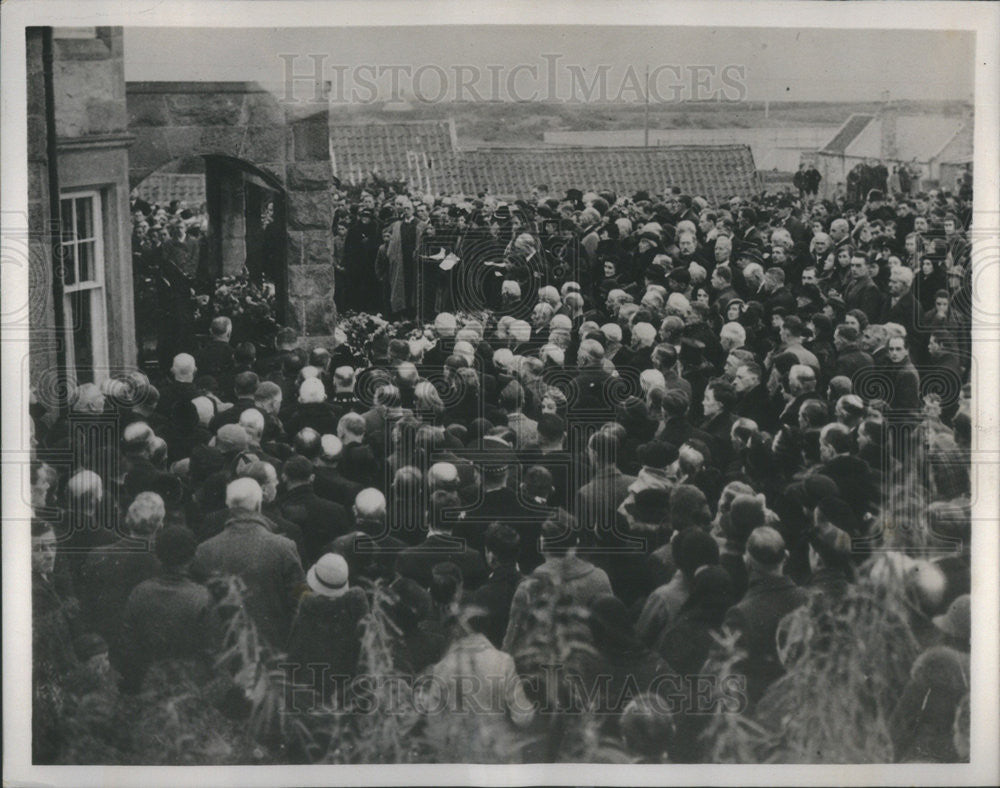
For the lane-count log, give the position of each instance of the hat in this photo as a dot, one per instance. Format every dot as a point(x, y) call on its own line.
point(681, 275)
point(651, 505)
point(175, 545)
point(501, 455)
point(956, 622)
point(328, 576)
point(817, 486)
point(231, 438)
point(657, 454)
point(649, 235)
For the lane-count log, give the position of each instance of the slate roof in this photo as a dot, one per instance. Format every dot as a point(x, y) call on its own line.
point(847, 133)
point(425, 152)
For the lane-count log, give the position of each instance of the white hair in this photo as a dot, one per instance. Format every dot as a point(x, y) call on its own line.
point(184, 366)
point(521, 330)
point(205, 408)
point(145, 514)
point(252, 420)
point(903, 274)
point(612, 331)
point(244, 494)
point(735, 332)
point(651, 379)
point(503, 358)
point(370, 504)
point(312, 390)
point(644, 332)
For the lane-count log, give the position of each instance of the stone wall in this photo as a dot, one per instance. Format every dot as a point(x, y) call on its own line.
point(176, 120)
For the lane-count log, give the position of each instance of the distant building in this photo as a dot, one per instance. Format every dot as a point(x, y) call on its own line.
point(774, 148)
point(939, 145)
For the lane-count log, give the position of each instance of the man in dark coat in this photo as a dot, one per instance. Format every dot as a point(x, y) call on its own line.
point(312, 410)
point(112, 571)
point(267, 563)
point(752, 398)
point(418, 562)
point(904, 399)
point(718, 404)
point(597, 502)
point(901, 307)
point(244, 387)
point(494, 597)
point(861, 292)
point(169, 616)
point(769, 598)
point(851, 359)
point(216, 358)
point(321, 520)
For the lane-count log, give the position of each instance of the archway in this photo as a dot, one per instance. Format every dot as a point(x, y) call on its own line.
point(223, 215)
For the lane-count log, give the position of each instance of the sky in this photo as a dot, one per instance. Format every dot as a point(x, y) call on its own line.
point(783, 64)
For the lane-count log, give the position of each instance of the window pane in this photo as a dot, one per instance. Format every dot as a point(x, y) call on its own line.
point(68, 263)
point(84, 218)
point(85, 261)
point(80, 324)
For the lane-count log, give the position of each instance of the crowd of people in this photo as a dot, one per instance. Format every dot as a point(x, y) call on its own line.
point(665, 419)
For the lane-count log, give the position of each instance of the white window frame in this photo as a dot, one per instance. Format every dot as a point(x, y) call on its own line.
point(96, 285)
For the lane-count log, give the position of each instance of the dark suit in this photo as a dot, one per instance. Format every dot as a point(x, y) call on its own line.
point(864, 294)
point(850, 360)
point(755, 404)
point(495, 597)
point(597, 502)
point(217, 359)
point(330, 484)
point(321, 520)
point(231, 415)
point(768, 599)
point(418, 562)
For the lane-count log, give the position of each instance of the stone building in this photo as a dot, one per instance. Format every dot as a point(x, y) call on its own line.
point(90, 332)
point(107, 137)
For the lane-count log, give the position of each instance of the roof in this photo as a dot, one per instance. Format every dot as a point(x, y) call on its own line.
point(408, 150)
point(425, 152)
point(847, 133)
point(924, 137)
point(714, 171)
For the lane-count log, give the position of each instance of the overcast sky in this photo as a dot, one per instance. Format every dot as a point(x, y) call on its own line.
point(773, 64)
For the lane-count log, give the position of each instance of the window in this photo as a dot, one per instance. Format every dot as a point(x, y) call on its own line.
point(83, 286)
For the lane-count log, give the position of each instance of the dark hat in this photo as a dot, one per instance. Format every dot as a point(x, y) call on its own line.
point(649, 235)
point(785, 201)
point(651, 505)
point(640, 196)
point(749, 253)
point(175, 545)
point(657, 454)
point(875, 195)
point(501, 456)
point(783, 362)
point(681, 275)
point(793, 325)
point(816, 487)
point(839, 513)
point(575, 195)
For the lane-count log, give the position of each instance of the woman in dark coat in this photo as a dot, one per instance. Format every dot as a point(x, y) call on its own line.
point(930, 278)
point(327, 628)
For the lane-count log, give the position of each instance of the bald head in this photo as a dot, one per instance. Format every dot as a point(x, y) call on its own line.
point(183, 368)
point(442, 476)
point(369, 506)
point(312, 391)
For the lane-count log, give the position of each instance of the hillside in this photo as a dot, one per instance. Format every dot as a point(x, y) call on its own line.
point(506, 123)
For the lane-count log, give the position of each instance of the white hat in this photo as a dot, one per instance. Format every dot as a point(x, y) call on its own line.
point(328, 576)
